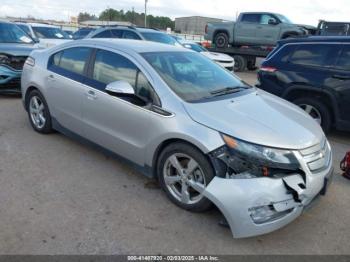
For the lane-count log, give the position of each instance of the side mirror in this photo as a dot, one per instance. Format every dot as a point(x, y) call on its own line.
point(272, 21)
point(120, 88)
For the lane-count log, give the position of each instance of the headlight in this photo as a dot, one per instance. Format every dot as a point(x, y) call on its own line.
point(4, 59)
point(262, 156)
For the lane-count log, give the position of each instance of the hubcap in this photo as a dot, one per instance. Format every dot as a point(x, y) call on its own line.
point(36, 110)
point(184, 178)
point(313, 112)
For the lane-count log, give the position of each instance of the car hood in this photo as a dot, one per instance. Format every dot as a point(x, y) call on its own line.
point(218, 56)
point(16, 49)
point(259, 118)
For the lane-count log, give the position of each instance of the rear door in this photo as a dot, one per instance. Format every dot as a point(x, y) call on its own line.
point(339, 83)
point(267, 34)
point(245, 30)
point(65, 89)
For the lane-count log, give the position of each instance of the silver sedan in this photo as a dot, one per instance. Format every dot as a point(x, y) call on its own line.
point(175, 115)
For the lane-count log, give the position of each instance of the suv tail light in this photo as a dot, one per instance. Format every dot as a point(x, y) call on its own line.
point(268, 69)
point(206, 29)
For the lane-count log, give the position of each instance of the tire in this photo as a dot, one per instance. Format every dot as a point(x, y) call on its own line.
point(38, 113)
point(221, 40)
point(316, 109)
point(240, 63)
point(175, 182)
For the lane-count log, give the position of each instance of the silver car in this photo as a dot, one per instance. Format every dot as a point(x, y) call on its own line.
point(175, 115)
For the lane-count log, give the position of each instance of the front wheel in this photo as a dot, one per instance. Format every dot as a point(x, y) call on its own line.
point(184, 172)
point(221, 40)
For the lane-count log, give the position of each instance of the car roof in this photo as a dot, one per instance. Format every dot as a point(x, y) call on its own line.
point(137, 46)
point(320, 39)
point(42, 25)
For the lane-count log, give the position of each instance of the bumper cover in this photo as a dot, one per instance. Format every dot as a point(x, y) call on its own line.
point(234, 198)
point(10, 80)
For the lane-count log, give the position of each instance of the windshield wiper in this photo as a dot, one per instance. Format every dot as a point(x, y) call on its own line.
point(228, 90)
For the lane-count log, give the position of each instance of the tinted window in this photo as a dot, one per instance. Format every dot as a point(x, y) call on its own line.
point(159, 37)
point(312, 54)
point(251, 18)
point(24, 28)
point(110, 67)
point(49, 32)
point(130, 35)
point(57, 58)
point(117, 33)
point(73, 59)
point(344, 59)
point(104, 34)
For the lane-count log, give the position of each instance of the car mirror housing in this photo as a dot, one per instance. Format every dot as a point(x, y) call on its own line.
point(120, 88)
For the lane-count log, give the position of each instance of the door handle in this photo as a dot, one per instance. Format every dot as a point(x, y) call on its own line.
point(341, 77)
point(91, 95)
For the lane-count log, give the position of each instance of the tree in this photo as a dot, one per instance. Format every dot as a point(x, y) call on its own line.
point(86, 16)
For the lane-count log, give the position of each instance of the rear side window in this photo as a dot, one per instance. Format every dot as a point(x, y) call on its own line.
point(117, 33)
point(343, 62)
point(251, 18)
point(130, 35)
point(104, 34)
point(312, 55)
point(72, 59)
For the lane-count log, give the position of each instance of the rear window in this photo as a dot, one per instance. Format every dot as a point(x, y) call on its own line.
point(313, 55)
point(72, 59)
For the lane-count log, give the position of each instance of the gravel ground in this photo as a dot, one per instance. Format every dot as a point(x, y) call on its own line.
point(61, 197)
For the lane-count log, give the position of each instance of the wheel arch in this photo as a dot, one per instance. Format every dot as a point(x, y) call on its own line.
point(26, 95)
point(326, 97)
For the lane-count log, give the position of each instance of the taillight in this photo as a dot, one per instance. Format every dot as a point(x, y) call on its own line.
point(30, 61)
point(206, 29)
point(268, 69)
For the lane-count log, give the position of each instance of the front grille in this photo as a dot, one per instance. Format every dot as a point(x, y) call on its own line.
point(317, 157)
point(13, 84)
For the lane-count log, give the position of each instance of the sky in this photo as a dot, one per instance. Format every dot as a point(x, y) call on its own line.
point(299, 11)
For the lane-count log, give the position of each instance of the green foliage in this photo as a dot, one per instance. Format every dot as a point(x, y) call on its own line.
point(86, 16)
point(138, 19)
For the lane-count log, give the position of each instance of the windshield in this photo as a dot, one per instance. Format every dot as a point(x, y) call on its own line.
point(10, 33)
point(191, 75)
point(284, 19)
point(159, 37)
point(195, 47)
point(49, 32)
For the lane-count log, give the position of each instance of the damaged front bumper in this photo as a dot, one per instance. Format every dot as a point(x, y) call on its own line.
point(10, 80)
point(261, 205)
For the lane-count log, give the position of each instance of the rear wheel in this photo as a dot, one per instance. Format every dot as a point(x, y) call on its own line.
point(240, 63)
point(221, 40)
point(183, 173)
point(38, 112)
point(317, 110)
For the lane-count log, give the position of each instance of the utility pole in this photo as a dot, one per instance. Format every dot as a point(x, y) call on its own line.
point(146, 13)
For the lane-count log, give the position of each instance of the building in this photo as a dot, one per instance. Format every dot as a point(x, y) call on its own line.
point(194, 25)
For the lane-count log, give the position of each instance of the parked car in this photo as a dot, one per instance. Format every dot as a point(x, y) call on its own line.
point(135, 33)
point(225, 61)
point(326, 28)
point(313, 73)
point(15, 46)
point(46, 35)
point(255, 29)
point(182, 118)
point(82, 32)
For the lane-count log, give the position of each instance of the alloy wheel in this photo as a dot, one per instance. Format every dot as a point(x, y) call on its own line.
point(184, 178)
point(36, 110)
point(313, 112)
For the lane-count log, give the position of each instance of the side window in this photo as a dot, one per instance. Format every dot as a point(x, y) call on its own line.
point(116, 33)
point(74, 59)
point(313, 55)
point(110, 67)
point(130, 35)
point(343, 62)
point(265, 19)
point(104, 34)
point(251, 18)
point(57, 58)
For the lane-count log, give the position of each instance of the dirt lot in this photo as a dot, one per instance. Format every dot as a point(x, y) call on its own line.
point(61, 197)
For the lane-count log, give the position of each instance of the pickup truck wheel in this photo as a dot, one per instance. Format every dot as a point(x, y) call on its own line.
point(240, 63)
point(317, 110)
point(221, 40)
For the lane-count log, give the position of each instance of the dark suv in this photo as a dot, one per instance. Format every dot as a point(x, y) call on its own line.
point(314, 73)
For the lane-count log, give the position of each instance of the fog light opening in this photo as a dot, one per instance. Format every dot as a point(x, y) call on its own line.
point(264, 214)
